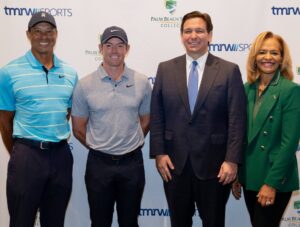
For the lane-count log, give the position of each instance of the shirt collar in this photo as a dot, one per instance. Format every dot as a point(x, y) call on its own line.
point(35, 62)
point(274, 80)
point(201, 61)
point(103, 74)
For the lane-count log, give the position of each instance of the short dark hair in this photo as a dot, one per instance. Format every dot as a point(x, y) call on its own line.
point(197, 14)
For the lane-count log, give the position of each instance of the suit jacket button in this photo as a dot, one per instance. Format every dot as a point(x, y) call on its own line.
point(262, 147)
point(271, 118)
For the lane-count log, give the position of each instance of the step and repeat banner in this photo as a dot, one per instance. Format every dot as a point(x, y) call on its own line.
point(153, 32)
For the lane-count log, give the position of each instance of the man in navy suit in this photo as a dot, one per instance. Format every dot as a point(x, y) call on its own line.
point(197, 139)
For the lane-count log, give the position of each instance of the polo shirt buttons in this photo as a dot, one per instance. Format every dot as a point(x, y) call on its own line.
point(262, 147)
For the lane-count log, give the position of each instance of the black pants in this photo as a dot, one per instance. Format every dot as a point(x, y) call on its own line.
point(184, 191)
point(115, 179)
point(269, 216)
point(39, 179)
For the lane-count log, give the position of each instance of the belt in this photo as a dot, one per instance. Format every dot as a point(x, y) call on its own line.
point(115, 157)
point(43, 145)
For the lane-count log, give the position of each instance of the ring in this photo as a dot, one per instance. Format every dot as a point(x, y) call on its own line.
point(268, 203)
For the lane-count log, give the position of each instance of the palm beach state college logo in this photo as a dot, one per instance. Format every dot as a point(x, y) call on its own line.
point(168, 21)
point(292, 219)
point(93, 52)
point(297, 206)
point(171, 5)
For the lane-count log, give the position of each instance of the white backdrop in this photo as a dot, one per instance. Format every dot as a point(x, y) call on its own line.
point(153, 32)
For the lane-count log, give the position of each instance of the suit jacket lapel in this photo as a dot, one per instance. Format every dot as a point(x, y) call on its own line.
point(208, 77)
point(181, 81)
point(270, 99)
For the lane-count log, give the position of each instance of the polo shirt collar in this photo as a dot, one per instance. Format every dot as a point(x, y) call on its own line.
point(126, 73)
point(36, 64)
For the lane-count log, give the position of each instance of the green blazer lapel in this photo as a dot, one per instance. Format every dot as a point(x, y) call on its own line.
point(270, 99)
point(251, 93)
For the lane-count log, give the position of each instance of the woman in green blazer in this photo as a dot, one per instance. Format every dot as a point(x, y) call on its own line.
point(269, 173)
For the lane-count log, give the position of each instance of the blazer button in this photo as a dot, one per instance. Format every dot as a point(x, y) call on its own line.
point(271, 118)
point(265, 133)
point(262, 147)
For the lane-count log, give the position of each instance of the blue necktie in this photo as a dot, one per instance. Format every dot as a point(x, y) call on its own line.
point(193, 86)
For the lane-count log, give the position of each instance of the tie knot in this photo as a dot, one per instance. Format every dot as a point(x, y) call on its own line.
point(195, 63)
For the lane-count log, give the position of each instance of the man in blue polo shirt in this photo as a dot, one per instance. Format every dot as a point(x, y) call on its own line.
point(35, 102)
point(110, 116)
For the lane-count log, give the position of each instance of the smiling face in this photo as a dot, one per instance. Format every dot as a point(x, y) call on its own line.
point(42, 37)
point(114, 52)
point(195, 37)
point(269, 57)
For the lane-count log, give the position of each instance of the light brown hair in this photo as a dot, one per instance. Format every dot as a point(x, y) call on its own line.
point(286, 65)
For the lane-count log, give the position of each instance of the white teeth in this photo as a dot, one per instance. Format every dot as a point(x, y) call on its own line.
point(43, 44)
point(193, 44)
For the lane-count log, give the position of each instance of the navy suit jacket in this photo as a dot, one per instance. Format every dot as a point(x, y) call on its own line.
point(214, 132)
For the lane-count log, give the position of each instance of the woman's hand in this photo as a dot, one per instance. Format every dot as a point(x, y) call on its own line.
point(266, 195)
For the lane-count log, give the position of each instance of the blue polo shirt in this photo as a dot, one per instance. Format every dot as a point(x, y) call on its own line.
point(40, 99)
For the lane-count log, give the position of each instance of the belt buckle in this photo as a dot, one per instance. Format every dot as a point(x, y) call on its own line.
point(41, 145)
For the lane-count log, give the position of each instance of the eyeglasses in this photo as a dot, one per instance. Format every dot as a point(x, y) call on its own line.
point(40, 32)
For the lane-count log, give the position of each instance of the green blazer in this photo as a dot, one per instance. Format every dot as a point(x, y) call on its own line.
point(272, 137)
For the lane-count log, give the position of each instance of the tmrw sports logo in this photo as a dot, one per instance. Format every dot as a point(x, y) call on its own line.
point(229, 47)
point(151, 79)
point(285, 11)
point(25, 11)
point(154, 212)
point(159, 212)
point(298, 70)
point(166, 21)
